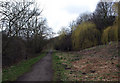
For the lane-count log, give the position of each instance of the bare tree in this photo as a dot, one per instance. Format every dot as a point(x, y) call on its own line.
point(103, 15)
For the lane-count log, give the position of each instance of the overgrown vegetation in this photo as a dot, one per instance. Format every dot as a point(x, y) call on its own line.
point(13, 72)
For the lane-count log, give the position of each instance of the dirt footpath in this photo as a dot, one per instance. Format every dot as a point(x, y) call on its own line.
point(41, 71)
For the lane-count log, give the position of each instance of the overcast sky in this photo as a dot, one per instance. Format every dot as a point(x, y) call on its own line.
point(60, 13)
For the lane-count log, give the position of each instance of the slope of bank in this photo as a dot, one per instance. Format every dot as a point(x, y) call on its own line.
point(98, 63)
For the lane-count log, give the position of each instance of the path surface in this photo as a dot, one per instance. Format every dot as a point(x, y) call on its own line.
point(41, 71)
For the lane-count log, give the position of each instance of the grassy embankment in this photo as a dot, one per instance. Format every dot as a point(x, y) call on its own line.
point(98, 63)
point(59, 70)
point(13, 72)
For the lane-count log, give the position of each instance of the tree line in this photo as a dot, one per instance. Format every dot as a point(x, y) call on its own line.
point(24, 31)
point(91, 29)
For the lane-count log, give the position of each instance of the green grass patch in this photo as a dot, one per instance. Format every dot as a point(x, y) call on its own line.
point(13, 72)
point(59, 69)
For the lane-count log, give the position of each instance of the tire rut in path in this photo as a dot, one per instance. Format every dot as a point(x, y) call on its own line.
point(41, 71)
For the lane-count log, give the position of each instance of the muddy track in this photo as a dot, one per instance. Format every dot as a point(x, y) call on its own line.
point(41, 71)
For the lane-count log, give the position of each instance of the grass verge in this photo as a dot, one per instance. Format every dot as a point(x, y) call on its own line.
point(59, 70)
point(13, 72)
